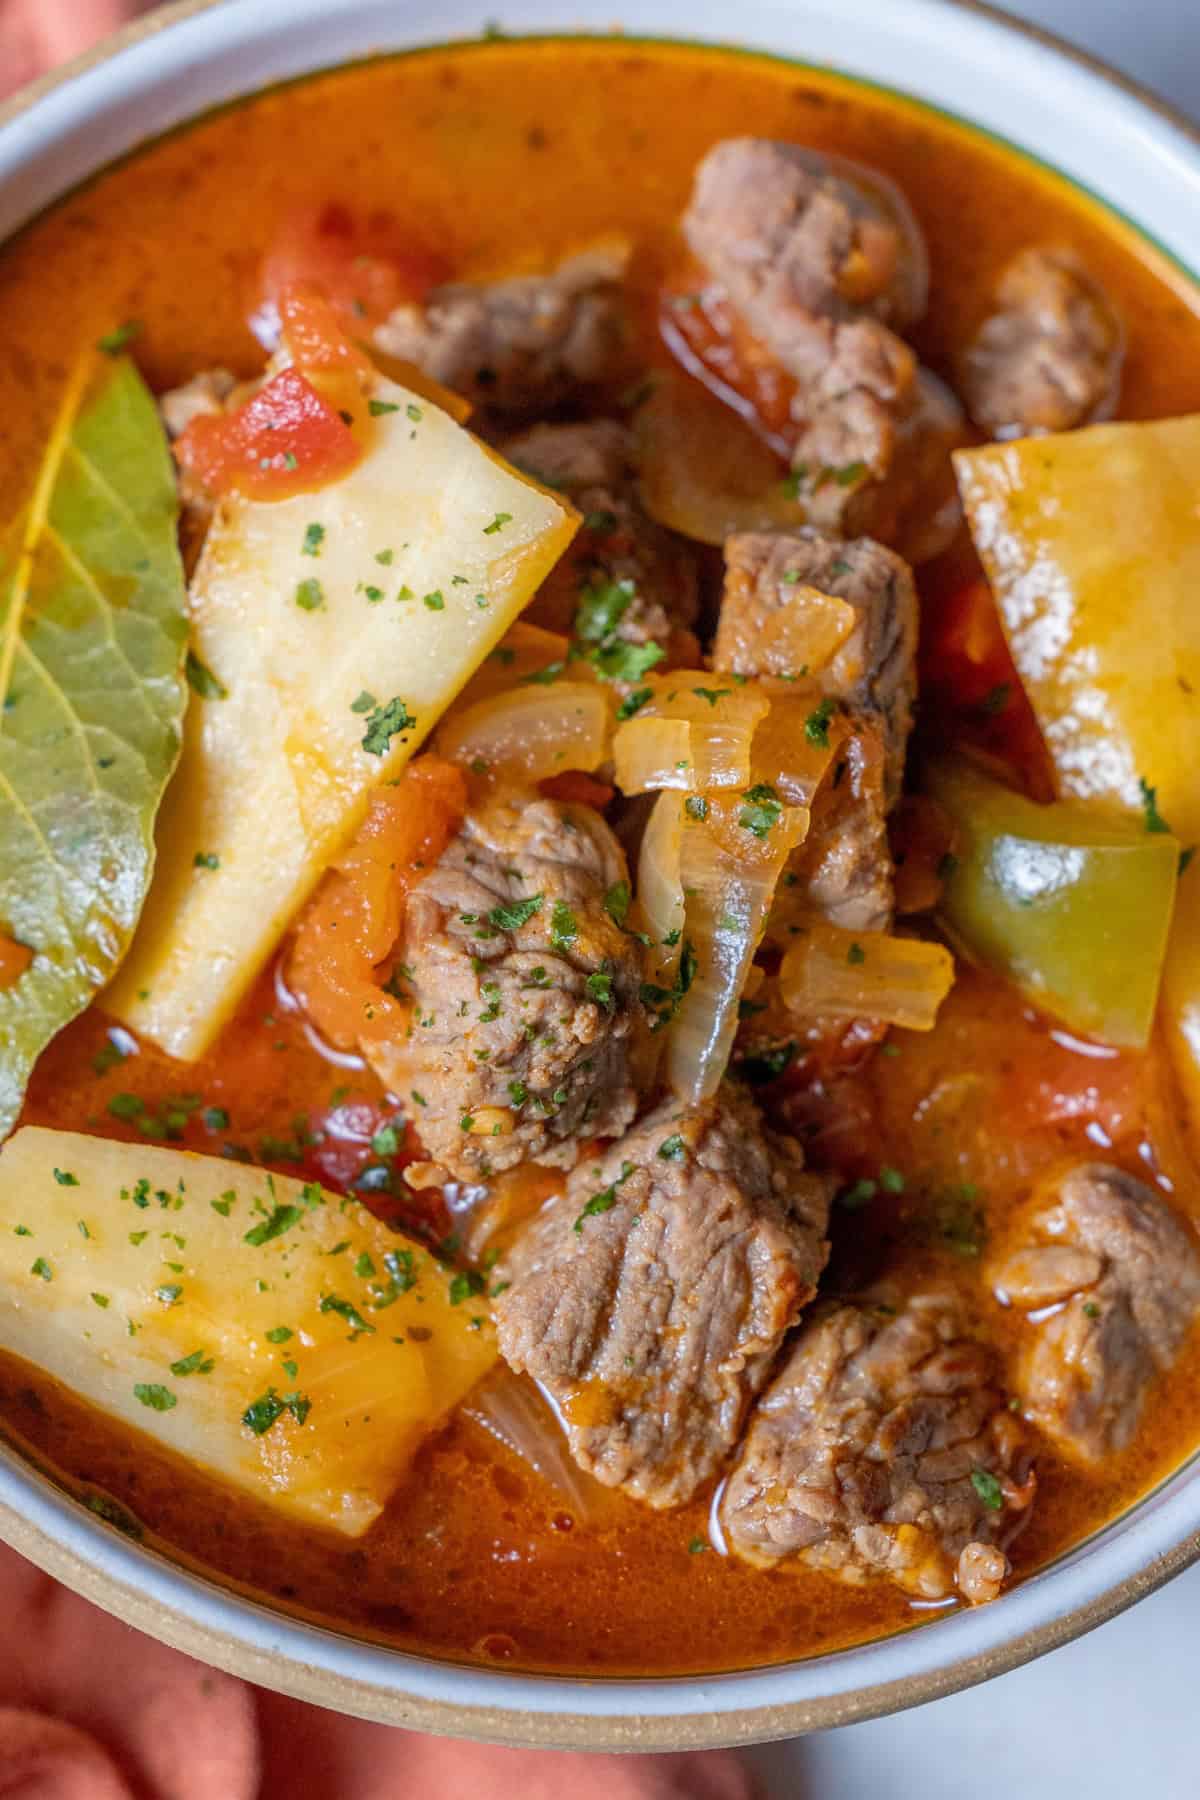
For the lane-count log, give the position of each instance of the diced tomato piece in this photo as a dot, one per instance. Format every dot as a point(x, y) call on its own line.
point(313, 333)
point(346, 937)
point(970, 687)
point(285, 440)
point(576, 788)
point(365, 269)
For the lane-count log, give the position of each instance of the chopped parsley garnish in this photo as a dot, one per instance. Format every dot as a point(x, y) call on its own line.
point(465, 1286)
point(712, 695)
point(206, 859)
point(262, 1413)
point(279, 1220)
point(1154, 819)
point(600, 988)
point(201, 679)
point(619, 661)
point(601, 522)
point(345, 1309)
point(170, 1294)
point(859, 1194)
point(310, 595)
point(510, 915)
point(664, 1003)
point(42, 1269)
point(101, 1300)
point(544, 677)
point(215, 1118)
point(377, 408)
point(891, 1180)
point(435, 601)
point(634, 702)
point(816, 726)
point(196, 1364)
point(364, 703)
point(279, 1334)
point(385, 557)
point(385, 1141)
point(617, 901)
point(414, 412)
point(988, 1489)
point(696, 806)
point(564, 926)
point(498, 523)
point(314, 537)
point(518, 1093)
point(996, 699)
point(605, 1200)
point(696, 1546)
point(64, 1178)
point(672, 1149)
point(959, 1222)
point(602, 606)
point(155, 1396)
point(224, 1204)
point(383, 725)
point(762, 811)
point(856, 955)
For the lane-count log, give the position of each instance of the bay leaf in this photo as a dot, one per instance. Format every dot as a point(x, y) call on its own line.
point(92, 634)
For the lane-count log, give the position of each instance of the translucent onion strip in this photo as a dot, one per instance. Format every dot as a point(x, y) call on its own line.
point(832, 974)
point(721, 718)
point(659, 888)
point(728, 869)
point(531, 732)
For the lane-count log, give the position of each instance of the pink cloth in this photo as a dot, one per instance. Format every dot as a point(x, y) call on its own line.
point(90, 1710)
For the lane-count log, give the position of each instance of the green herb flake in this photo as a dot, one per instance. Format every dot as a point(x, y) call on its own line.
point(510, 915)
point(155, 1396)
point(41, 1268)
point(202, 681)
point(465, 1286)
point(696, 807)
point(498, 523)
point(198, 1363)
point(435, 601)
point(564, 927)
point(672, 1149)
point(988, 1489)
point(113, 342)
point(378, 408)
point(345, 1309)
point(605, 1200)
point(856, 956)
point(617, 902)
point(64, 1178)
point(384, 724)
point(206, 859)
point(816, 726)
point(762, 811)
point(279, 1220)
point(1154, 819)
point(600, 989)
point(314, 537)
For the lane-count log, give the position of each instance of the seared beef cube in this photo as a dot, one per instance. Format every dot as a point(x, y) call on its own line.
point(1121, 1275)
point(651, 1298)
point(524, 992)
point(1048, 355)
point(884, 1447)
point(844, 869)
point(766, 577)
point(623, 574)
point(819, 270)
point(524, 346)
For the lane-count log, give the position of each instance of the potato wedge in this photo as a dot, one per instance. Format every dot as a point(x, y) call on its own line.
point(278, 1336)
point(330, 631)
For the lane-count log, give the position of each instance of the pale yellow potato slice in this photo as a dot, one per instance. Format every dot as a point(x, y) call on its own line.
point(311, 650)
point(1091, 541)
point(186, 1294)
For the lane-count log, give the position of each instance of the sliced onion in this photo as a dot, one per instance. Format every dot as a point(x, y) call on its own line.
point(531, 732)
point(704, 471)
point(728, 875)
point(719, 718)
point(511, 1409)
point(833, 974)
point(659, 888)
point(789, 756)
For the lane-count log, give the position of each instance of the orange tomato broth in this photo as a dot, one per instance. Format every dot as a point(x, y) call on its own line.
point(489, 159)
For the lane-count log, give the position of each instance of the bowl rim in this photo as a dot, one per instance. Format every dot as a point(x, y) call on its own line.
point(198, 1614)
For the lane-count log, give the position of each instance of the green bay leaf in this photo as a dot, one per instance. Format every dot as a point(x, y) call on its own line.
point(92, 634)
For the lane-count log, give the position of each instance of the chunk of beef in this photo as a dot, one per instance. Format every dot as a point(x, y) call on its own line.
point(769, 576)
point(523, 346)
point(623, 573)
point(524, 992)
point(650, 1299)
point(1122, 1276)
point(883, 1447)
point(820, 271)
point(843, 870)
point(1048, 355)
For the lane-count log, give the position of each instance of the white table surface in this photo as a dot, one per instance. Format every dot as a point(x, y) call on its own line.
point(1115, 1716)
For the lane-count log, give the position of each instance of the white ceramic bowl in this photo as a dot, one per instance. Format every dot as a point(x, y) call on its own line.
point(1132, 154)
